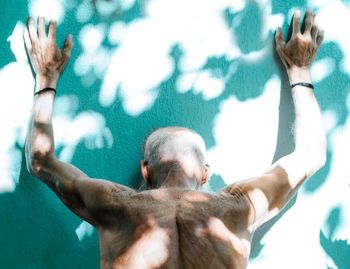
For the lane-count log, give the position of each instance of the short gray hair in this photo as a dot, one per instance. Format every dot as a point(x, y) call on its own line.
point(164, 142)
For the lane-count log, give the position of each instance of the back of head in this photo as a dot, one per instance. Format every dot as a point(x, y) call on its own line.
point(174, 154)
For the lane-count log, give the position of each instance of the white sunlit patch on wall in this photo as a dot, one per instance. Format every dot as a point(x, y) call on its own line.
point(323, 68)
point(211, 36)
point(142, 60)
point(208, 83)
point(91, 64)
point(138, 66)
point(245, 135)
point(333, 16)
point(109, 7)
point(269, 21)
point(71, 128)
point(339, 174)
point(50, 9)
point(84, 11)
point(15, 110)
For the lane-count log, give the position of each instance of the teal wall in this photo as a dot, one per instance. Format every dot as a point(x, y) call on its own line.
point(206, 65)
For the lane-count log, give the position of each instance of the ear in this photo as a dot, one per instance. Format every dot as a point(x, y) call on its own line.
point(144, 171)
point(205, 174)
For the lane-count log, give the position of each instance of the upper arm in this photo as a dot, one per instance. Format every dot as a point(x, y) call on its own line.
point(270, 192)
point(91, 199)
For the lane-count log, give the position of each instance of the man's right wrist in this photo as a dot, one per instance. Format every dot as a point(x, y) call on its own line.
point(299, 74)
point(42, 82)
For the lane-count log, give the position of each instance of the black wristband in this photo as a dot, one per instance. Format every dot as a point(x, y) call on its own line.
point(45, 90)
point(308, 85)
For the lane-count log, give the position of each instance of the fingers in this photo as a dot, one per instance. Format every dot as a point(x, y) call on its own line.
point(31, 30)
point(34, 34)
point(27, 41)
point(279, 38)
point(314, 32)
point(296, 23)
point(280, 44)
point(311, 28)
point(319, 37)
point(67, 47)
point(52, 30)
point(41, 27)
point(41, 33)
point(309, 20)
point(66, 52)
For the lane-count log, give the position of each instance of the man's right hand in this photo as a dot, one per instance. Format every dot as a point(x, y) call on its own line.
point(300, 51)
point(47, 60)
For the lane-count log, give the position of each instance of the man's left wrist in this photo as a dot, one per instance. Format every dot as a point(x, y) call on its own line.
point(42, 82)
point(299, 74)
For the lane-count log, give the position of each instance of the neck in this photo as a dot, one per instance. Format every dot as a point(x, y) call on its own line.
point(180, 182)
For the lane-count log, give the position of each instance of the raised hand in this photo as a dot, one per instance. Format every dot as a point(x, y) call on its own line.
point(301, 49)
point(47, 59)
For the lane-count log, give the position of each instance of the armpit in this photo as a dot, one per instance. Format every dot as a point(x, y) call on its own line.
point(240, 206)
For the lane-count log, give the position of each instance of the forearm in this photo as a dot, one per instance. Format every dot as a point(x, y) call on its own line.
point(40, 138)
point(310, 140)
point(48, 62)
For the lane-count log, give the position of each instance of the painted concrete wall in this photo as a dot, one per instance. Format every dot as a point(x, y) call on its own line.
point(207, 65)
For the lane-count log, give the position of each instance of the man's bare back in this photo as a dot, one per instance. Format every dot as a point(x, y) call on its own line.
point(174, 228)
point(174, 225)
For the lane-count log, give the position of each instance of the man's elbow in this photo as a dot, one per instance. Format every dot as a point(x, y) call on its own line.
point(317, 159)
point(39, 152)
point(322, 154)
point(37, 161)
point(313, 158)
point(318, 163)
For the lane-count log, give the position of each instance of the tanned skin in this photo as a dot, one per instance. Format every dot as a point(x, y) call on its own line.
point(176, 226)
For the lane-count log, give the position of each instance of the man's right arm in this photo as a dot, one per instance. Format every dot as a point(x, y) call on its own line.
point(270, 192)
point(90, 199)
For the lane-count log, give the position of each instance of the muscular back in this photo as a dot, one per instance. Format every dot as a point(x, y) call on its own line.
point(173, 228)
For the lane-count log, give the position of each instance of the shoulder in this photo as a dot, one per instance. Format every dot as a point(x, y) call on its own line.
point(101, 193)
point(264, 195)
point(236, 199)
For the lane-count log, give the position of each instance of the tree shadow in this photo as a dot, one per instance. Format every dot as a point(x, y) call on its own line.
point(338, 250)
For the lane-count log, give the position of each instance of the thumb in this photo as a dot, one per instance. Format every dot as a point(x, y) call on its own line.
point(279, 39)
point(66, 52)
point(27, 41)
point(67, 47)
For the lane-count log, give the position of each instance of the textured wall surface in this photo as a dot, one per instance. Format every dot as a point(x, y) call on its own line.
point(142, 64)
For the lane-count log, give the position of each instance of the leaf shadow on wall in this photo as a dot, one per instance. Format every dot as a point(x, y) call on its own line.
point(338, 250)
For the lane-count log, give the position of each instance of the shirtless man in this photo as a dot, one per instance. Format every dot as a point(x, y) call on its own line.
point(174, 224)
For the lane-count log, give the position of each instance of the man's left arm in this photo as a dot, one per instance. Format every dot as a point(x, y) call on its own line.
point(269, 193)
